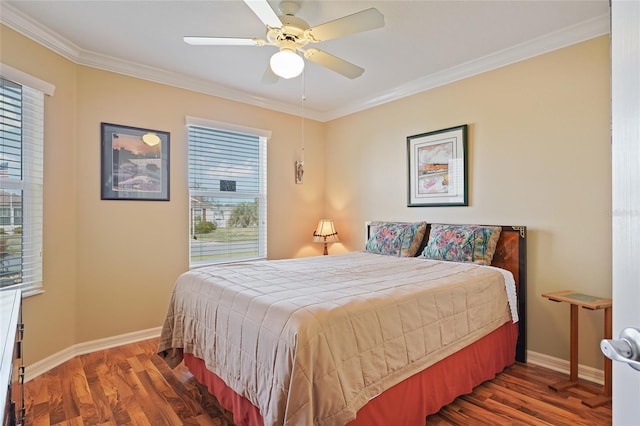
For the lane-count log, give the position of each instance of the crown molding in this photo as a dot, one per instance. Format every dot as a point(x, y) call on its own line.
point(158, 75)
point(574, 34)
point(556, 40)
point(30, 28)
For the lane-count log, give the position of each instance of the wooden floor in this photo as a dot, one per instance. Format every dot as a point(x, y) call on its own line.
point(131, 385)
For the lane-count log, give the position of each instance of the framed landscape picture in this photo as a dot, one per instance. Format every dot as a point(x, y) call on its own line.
point(134, 163)
point(437, 163)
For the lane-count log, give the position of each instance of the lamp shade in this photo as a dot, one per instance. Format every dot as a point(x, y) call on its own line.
point(325, 232)
point(286, 63)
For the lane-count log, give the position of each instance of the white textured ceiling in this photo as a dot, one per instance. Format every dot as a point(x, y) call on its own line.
point(422, 45)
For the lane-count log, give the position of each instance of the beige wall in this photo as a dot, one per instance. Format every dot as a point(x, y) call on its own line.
point(539, 156)
point(131, 252)
point(51, 317)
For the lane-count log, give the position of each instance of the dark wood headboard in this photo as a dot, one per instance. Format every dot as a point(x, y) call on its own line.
point(511, 254)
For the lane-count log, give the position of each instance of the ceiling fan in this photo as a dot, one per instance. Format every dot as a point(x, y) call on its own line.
point(291, 35)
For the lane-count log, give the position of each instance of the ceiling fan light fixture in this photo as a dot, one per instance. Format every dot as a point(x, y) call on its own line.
point(286, 63)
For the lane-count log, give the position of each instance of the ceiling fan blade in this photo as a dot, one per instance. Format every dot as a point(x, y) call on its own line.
point(334, 63)
point(223, 41)
point(366, 20)
point(264, 11)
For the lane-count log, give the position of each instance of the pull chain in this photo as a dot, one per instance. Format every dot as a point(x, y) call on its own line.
point(299, 166)
point(304, 98)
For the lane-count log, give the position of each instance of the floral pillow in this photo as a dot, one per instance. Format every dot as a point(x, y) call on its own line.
point(396, 239)
point(462, 243)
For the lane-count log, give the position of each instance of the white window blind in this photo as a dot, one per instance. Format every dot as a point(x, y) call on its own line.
point(21, 185)
point(227, 193)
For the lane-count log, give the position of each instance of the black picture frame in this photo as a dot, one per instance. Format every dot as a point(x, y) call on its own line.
point(134, 163)
point(438, 168)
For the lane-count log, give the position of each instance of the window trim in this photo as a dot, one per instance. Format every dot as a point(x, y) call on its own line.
point(33, 84)
point(219, 125)
point(24, 79)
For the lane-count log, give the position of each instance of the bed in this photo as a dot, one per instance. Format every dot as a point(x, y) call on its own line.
point(383, 336)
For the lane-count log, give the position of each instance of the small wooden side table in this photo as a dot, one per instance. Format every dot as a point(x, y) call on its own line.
point(576, 299)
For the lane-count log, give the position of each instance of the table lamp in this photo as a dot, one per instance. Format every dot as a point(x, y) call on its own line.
point(325, 233)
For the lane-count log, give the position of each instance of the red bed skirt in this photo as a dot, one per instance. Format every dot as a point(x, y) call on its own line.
point(407, 403)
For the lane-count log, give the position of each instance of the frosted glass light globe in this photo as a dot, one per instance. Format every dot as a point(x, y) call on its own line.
point(286, 64)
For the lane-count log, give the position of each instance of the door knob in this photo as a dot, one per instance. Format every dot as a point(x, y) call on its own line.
point(626, 349)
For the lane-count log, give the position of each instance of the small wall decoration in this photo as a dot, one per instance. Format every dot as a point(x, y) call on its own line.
point(135, 163)
point(299, 169)
point(437, 163)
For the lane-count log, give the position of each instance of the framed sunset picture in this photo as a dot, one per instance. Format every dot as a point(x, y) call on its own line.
point(135, 163)
point(437, 165)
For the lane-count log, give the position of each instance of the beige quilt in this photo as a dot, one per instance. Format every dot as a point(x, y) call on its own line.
point(311, 340)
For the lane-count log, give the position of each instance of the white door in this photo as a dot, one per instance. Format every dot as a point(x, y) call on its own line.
point(625, 98)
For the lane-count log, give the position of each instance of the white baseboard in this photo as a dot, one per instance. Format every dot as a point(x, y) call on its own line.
point(44, 365)
point(37, 368)
point(556, 364)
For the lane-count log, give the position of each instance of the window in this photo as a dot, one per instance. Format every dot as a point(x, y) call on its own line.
point(227, 192)
point(21, 180)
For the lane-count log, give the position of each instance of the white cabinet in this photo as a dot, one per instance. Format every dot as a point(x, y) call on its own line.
point(11, 364)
